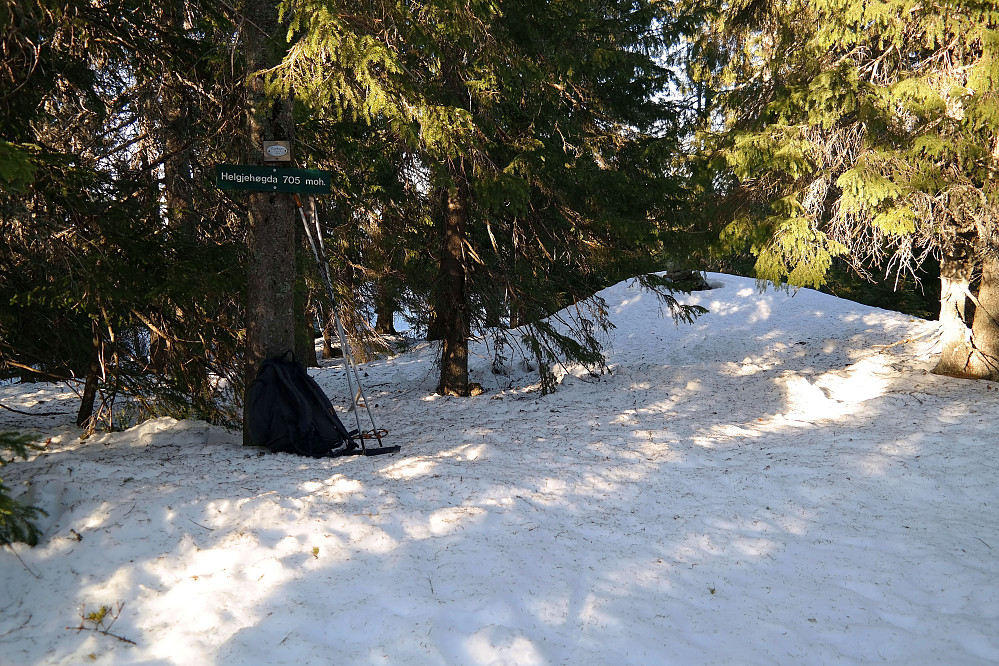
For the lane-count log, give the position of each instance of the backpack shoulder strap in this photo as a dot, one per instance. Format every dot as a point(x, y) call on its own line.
point(283, 370)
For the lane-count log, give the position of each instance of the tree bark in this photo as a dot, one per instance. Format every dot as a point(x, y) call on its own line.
point(452, 310)
point(956, 310)
point(270, 297)
point(328, 351)
point(385, 308)
point(984, 360)
point(85, 415)
point(305, 332)
point(305, 336)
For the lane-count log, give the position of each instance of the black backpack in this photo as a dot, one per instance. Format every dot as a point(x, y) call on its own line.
point(286, 410)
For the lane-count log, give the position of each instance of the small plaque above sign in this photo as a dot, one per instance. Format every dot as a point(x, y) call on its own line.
point(277, 151)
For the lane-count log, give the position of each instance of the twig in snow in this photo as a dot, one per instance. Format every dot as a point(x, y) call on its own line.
point(97, 619)
point(23, 625)
point(23, 564)
point(18, 411)
point(210, 529)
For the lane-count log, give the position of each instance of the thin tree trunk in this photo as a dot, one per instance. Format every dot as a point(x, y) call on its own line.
point(984, 361)
point(452, 310)
point(956, 310)
point(328, 351)
point(385, 308)
point(85, 415)
point(159, 351)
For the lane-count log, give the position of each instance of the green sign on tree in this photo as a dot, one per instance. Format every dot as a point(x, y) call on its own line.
point(272, 179)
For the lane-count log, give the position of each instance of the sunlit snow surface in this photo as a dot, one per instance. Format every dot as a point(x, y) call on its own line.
point(781, 482)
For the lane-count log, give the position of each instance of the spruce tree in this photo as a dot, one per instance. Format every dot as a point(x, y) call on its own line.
point(867, 131)
point(92, 255)
point(535, 130)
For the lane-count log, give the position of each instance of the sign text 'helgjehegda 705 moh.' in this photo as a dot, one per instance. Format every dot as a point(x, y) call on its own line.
point(272, 179)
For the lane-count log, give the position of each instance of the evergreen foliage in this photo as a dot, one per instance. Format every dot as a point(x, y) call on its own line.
point(133, 279)
point(494, 163)
point(865, 131)
point(15, 518)
point(857, 126)
point(539, 164)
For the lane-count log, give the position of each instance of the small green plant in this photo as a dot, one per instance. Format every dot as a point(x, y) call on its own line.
point(315, 552)
point(15, 518)
point(97, 621)
point(97, 617)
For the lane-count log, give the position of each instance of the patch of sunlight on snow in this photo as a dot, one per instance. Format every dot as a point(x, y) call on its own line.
point(471, 452)
point(342, 484)
point(466, 451)
point(332, 488)
point(449, 519)
point(99, 516)
point(410, 468)
point(720, 308)
point(762, 313)
point(496, 644)
point(836, 394)
point(721, 433)
point(626, 302)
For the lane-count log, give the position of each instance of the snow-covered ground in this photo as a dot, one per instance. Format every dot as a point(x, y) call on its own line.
point(782, 482)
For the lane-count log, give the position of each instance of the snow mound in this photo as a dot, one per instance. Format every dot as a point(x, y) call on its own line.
point(781, 482)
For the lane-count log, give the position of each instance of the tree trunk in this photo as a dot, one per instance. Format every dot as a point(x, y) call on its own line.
point(452, 310)
point(270, 311)
point(955, 313)
point(305, 337)
point(385, 308)
point(171, 120)
point(270, 298)
point(85, 415)
point(159, 351)
point(984, 360)
point(305, 332)
point(328, 351)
